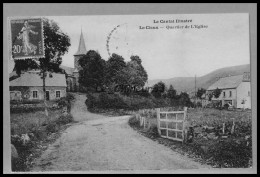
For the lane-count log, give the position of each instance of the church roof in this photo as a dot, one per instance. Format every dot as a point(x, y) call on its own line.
point(82, 48)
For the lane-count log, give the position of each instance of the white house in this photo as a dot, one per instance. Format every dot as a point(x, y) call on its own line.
point(29, 86)
point(235, 90)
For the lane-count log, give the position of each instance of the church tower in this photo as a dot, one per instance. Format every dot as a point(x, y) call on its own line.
point(81, 51)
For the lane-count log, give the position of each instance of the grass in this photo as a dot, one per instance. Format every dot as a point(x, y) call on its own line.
point(232, 152)
point(24, 122)
point(42, 130)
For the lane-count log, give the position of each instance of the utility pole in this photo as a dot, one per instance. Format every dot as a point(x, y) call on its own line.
point(195, 93)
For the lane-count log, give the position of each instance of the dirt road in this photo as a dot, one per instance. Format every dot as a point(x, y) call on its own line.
point(107, 143)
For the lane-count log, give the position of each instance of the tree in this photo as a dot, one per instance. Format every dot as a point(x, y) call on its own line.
point(216, 93)
point(200, 92)
point(115, 70)
point(158, 89)
point(184, 99)
point(92, 72)
point(135, 73)
point(56, 44)
point(171, 93)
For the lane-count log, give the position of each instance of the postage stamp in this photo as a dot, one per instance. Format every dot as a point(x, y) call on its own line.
point(26, 38)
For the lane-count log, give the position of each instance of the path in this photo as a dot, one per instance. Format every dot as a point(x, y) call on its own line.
point(107, 143)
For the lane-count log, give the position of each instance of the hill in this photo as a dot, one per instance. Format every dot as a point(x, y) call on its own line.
point(187, 84)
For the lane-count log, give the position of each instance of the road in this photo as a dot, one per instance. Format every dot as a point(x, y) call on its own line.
point(101, 143)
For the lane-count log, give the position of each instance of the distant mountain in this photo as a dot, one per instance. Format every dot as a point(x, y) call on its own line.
point(187, 84)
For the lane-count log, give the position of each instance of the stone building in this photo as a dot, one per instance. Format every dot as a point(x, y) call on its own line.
point(29, 86)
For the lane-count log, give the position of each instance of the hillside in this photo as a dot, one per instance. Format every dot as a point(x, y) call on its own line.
point(187, 84)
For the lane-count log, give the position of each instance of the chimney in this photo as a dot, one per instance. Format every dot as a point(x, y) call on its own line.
point(246, 77)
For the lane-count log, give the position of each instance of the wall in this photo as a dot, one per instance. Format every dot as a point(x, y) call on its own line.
point(27, 92)
point(242, 93)
point(227, 97)
point(71, 83)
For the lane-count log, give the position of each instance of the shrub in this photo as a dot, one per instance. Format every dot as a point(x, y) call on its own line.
point(51, 127)
point(62, 102)
point(133, 121)
point(64, 119)
point(70, 96)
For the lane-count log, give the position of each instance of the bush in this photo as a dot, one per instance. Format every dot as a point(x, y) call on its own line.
point(133, 121)
point(118, 101)
point(62, 102)
point(64, 119)
point(51, 127)
point(70, 96)
point(25, 109)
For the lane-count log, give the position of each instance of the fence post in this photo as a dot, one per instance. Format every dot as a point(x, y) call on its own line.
point(185, 128)
point(158, 120)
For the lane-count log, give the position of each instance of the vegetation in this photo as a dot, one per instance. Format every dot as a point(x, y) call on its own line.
point(231, 149)
point(30, 131)
point(56, 44)
point(200, 92)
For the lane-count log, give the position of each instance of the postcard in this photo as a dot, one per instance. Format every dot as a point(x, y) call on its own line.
point(130, 93)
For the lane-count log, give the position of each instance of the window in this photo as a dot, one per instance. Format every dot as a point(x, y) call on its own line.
point(57, 94)
point(224, 94)
point(230, 93)
point(35, 94)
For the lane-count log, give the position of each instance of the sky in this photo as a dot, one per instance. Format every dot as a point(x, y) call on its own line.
point(165, 53)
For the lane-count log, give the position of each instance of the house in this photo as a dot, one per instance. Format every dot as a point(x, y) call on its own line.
point(29, 86)
point(235, 90)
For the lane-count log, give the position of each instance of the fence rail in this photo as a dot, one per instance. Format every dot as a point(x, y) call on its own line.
point(169, 131)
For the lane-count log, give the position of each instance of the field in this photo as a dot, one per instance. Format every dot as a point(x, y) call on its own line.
point(25, 122)
point(32, 130)
point(228, 149)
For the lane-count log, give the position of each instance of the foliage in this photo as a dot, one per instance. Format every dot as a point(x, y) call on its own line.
point(200, 92)
point(36, 126)
point(115, 73)
point(135, 72)
point(216, 93)
point(92, 70)
point(171, 93)
point(118, 101)
point(133, 121)
point(184, 100)
point(235, 151)
point(158, 89)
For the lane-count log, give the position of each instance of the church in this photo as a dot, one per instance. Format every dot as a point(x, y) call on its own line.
point(72, 78)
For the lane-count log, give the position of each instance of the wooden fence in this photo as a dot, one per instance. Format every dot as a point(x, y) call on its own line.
point(172, 124)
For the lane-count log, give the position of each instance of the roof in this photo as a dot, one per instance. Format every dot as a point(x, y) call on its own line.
point(67, 69)
point(34, 79)
point(227, 82)
point(82, 48)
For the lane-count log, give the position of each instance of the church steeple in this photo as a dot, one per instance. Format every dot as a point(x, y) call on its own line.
point(82, 48)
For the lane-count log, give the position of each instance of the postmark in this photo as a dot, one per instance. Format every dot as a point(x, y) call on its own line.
point(26, 38)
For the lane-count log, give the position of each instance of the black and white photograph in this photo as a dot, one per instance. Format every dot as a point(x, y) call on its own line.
point(131, 93)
